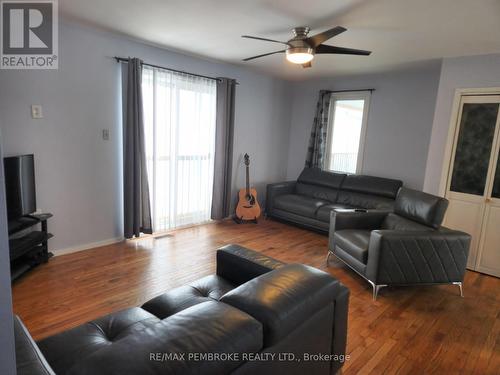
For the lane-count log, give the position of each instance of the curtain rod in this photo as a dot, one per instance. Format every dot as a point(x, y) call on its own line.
point(349, 90)
point(125, 60)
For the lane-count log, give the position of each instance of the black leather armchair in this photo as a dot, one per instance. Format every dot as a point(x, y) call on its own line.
point(406, 247)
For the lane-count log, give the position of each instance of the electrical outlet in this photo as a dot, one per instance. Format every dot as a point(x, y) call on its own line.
point(36, 111)
point(105, 134)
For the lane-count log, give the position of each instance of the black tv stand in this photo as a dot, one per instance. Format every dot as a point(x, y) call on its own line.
point(28, 248)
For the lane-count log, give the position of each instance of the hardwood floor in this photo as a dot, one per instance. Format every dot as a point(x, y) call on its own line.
point(408, 330)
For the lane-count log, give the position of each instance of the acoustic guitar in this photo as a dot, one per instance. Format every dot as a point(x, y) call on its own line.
point(248, 208)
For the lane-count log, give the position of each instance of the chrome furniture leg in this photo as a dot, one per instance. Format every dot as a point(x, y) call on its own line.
point(376, 289)
point(459, 283)
point(328, 256)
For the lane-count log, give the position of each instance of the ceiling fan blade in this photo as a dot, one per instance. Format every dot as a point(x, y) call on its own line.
point(265, 54)
point(307, 65)
point(323, 48)
point(317, 39)
point(264, 39)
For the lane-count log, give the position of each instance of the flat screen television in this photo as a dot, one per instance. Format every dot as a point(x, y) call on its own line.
point(20, 185)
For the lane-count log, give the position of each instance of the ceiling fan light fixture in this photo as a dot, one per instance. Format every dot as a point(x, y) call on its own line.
point(301, 48)
point(299, 55)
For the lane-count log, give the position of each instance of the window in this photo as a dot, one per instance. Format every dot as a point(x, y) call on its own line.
point(346, 131)
point(179, 127)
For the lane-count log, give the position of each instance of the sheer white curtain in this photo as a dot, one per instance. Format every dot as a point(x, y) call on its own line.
point(179, 111)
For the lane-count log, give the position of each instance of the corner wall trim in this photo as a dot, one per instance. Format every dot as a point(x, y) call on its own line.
point(88, 246)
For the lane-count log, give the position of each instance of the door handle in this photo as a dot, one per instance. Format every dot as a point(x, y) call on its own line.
point(487, 200)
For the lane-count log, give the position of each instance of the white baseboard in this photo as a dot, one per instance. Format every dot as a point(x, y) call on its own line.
point(87, 246)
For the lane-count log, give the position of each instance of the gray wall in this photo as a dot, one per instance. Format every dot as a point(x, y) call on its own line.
point(399, 121)
point(461, 72)
point(78, 174)
point(7, 356)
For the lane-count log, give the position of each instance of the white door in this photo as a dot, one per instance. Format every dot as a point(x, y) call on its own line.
point(473, 185)
point(488, 257)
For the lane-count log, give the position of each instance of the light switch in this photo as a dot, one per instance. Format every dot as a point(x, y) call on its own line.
point(105, 134)
point(36, 111)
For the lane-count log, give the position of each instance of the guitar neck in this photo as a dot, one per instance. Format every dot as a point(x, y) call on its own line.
point(248, 180)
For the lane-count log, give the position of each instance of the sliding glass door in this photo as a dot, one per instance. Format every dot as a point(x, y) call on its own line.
point(179, 111)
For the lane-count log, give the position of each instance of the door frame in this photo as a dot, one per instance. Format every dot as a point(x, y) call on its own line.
point(453, 127)
point(490, 203)
point(448, 162)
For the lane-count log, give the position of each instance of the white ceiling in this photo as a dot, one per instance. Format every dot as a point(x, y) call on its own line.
point(399, 32)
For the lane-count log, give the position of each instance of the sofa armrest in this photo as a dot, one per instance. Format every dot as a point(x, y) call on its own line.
point(350, 219)
point(413, 257)
point(29, 358)
point(280, 188)
point(283, 299)
point(239, 265)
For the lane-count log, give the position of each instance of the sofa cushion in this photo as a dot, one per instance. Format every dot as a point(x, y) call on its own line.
point(302, 221)
point(299, 204)
point(396, 222)
point(425, 208)
point(323, 212)
point(63, 350)
point(361, 200)
point(316, 191)
point(355, 242)
point(315, 183)
point(316, 176)
point(206, 289)
point(383, 187)
point(209, 327)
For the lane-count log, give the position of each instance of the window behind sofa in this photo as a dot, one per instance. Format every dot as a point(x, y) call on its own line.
point(346, 131)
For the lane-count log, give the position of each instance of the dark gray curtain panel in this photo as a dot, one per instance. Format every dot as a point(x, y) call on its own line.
point(317, 142)
point(137, 210)
point(224, 133)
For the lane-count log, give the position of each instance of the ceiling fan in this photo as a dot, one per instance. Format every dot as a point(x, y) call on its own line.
point(301, 48)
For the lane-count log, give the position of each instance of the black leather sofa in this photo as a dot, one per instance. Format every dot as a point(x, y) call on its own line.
point(406, 247)
point(252, 317)
point(309, 200)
